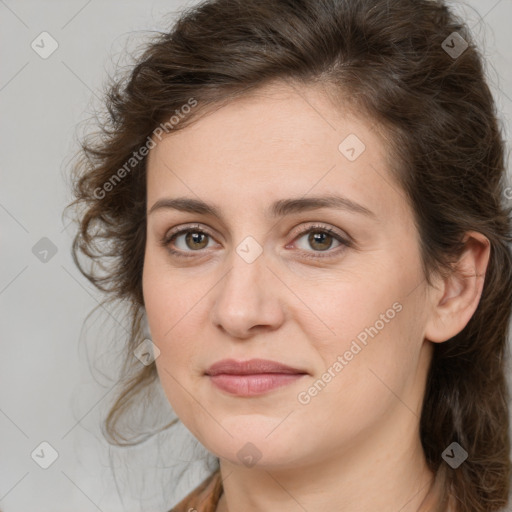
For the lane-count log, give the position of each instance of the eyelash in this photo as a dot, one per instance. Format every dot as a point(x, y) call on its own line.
point(168, 238)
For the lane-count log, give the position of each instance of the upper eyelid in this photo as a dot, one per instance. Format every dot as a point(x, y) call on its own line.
point(186, 228)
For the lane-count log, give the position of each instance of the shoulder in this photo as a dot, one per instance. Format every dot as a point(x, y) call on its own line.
point(204, 497)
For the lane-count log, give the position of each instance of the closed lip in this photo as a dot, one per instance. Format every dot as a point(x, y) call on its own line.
point(250, 367)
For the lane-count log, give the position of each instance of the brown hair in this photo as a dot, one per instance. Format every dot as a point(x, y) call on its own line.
point(391, 60)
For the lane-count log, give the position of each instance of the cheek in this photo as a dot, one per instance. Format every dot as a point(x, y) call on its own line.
point(166, 312)
point(157, 300)
point(168, 296)
point(173, 319)
point(356, 310)
point(371, 350)
point(176, 356)
point(379, 374)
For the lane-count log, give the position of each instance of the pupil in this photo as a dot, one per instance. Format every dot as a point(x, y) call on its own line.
point(195, 237)
point(316, 237)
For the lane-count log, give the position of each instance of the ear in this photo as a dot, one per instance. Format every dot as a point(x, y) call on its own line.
point(456, 299)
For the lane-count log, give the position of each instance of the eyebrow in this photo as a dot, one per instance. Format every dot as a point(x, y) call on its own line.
point(279, 208)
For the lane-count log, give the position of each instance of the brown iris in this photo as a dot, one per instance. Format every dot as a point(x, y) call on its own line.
point(195, 237)
point(318, 237)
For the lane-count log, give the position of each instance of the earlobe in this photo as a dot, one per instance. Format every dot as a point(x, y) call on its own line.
point(454, 302)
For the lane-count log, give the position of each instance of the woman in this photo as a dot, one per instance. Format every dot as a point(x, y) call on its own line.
point(305, 202)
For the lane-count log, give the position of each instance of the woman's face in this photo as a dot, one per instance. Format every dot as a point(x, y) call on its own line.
point(336, 292)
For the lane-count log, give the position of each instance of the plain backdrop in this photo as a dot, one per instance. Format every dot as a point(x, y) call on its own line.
point(50, 391)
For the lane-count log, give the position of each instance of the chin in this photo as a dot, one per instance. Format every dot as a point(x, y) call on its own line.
point(257, 449)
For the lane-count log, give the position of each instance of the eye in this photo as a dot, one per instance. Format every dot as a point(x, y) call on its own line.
point(188, 239)
point(321, 239)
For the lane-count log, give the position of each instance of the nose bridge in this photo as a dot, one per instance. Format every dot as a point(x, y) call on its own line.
point(243, 277)
point(246, 296)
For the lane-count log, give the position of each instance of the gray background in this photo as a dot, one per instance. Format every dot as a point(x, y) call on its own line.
point(49, 392)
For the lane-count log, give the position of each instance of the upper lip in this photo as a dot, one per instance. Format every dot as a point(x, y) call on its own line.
point(252, 366)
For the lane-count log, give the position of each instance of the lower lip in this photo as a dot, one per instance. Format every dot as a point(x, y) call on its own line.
point(254, 384)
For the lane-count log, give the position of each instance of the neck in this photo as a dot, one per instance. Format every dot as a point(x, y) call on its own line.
point(373, 474)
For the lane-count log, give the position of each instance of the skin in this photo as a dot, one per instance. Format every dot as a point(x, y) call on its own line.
point(355, 445)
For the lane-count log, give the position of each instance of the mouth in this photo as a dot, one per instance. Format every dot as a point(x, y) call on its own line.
point(253, 377)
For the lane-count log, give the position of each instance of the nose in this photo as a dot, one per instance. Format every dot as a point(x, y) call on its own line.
point(248, 299)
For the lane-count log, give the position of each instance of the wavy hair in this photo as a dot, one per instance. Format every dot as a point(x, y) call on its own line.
point(395, 62)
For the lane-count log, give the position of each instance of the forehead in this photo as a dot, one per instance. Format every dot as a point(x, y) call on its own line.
point(280, 140)
point(289, 118)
